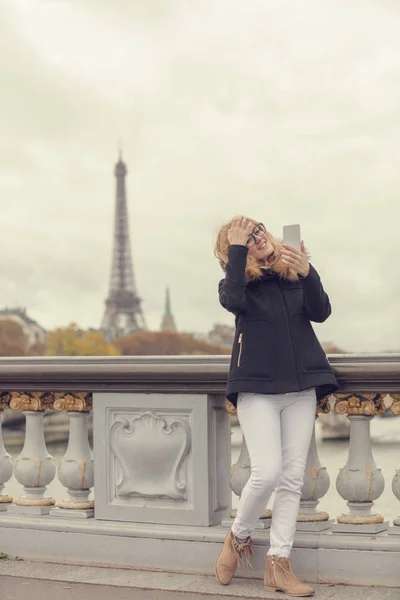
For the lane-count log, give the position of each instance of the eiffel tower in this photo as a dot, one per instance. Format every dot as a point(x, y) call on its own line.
point(123, 313)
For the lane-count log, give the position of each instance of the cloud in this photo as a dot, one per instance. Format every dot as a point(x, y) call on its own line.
point(281, 110)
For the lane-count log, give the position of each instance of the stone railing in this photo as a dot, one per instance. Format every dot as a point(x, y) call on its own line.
point(35, 469)
point(161, 455)
point(360, 481)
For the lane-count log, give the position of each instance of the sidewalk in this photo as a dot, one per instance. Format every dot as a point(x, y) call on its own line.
point(45, 581)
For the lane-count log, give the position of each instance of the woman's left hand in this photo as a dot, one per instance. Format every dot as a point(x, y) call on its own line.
point(296, 259)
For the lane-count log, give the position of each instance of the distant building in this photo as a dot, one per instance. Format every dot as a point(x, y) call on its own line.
point(33, 331)
point(221, 335)
point(168, 321)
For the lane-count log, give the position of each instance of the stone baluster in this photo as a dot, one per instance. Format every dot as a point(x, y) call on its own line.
point(240, 473)
point(395, 408)
point(6, 464)
point(34, 468)
point(360, 482)
point(75, 470)
point(316, 485)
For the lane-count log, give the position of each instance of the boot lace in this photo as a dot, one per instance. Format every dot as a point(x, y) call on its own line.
point(284, 564)
point(243, 551)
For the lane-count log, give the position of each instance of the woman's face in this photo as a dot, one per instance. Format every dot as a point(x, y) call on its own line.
point(260, 246)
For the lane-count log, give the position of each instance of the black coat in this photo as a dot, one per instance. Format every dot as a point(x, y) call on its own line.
point(275, 350)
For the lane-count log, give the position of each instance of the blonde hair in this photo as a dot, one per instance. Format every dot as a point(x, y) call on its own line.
point(254, 268)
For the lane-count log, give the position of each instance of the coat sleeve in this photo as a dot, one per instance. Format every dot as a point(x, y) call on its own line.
point(316, 300)
point(232, 289)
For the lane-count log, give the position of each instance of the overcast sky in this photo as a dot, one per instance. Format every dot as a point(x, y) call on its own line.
point(287, 111)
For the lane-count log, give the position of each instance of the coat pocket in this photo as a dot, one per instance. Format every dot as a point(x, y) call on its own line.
point(310, 353)
point(253, 354)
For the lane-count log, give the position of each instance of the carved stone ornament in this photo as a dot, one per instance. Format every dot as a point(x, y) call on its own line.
point(28, 501)
point(5, 399)
point(230, 408)
point(373, 519)
point(74, 402)
point(36, 401)
point(323, 406)
point(395, 408)
point(6, 499)
point(71, 505)
point(360, 404)
point(150, 454)
point(313, 517)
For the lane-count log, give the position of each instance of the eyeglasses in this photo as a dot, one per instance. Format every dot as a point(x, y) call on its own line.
point(259, 231)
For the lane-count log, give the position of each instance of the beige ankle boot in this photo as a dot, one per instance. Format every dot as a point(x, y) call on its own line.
point(231, 556)
point(279, 576)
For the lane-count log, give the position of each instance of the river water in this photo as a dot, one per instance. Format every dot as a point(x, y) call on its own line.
point(385, 434)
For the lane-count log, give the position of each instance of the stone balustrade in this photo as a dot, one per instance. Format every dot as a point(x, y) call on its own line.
point(161, 463)
point(359, 482)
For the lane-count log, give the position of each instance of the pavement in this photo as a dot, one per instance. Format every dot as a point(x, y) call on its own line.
point(20, 580)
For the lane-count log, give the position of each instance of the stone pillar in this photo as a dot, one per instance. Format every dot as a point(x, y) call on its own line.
point(360, 482)
point(34, 468)
point(6, 465)
point(75, 470)
point(316, 485)
point(161, 458)
point(240, 473)
point(395, 408)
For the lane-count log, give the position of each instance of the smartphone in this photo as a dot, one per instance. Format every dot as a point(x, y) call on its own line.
point(292, 236)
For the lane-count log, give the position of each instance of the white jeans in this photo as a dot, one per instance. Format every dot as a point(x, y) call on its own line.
point(278, 430)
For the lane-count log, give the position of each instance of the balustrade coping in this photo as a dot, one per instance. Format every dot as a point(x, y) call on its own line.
point(383, 542)
point(174, 374)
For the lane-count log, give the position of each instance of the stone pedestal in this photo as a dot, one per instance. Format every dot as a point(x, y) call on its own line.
point(69, 513)
point(6, 468)
point(395, 408)
point(316, 485)
point(34, 468)
point(360, 482)
point(396, 492)
point(161, 458)
point(240, 474)
point(76, 469)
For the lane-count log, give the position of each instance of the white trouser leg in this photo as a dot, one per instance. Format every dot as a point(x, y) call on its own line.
point(259, 418)
point(297, 423)
point(277, 429)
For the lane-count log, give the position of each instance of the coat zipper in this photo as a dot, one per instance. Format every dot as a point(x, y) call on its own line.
point(240, 349)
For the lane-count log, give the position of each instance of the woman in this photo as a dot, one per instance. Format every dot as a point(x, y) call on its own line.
point(277, 373)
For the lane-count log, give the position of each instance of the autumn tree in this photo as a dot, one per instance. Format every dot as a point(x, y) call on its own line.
point(150, 343)
point(37, 349)
point(13, 341)
point(73, 341)
point(330, 348)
